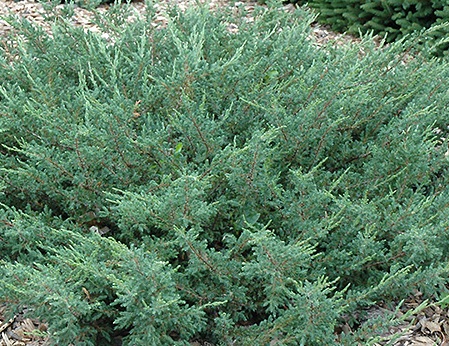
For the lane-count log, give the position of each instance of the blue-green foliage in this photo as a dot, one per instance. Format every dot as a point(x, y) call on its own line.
point(254, 188)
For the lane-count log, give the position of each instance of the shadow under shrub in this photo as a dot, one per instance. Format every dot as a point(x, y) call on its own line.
point(250, 187)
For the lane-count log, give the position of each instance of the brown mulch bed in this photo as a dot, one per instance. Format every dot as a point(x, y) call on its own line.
point(34, 11)
point(429, 326)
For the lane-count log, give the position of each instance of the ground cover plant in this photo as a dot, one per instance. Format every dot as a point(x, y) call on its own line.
point(160, 185)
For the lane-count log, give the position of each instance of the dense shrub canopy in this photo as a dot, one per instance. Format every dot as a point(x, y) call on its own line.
point(191, 181)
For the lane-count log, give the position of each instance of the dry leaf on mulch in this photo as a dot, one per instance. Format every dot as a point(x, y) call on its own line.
point(20, 330)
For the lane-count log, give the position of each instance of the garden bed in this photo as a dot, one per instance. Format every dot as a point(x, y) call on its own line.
point(424, 327)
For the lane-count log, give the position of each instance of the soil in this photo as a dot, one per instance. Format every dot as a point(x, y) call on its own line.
point(427, 326)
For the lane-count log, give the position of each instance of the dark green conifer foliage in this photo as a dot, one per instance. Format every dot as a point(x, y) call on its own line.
point(392, 19)
point(253, 188)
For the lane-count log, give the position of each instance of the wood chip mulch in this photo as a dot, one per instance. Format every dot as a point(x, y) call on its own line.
point(34, 12)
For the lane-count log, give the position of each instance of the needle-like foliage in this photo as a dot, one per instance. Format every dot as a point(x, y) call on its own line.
point(218, 179)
